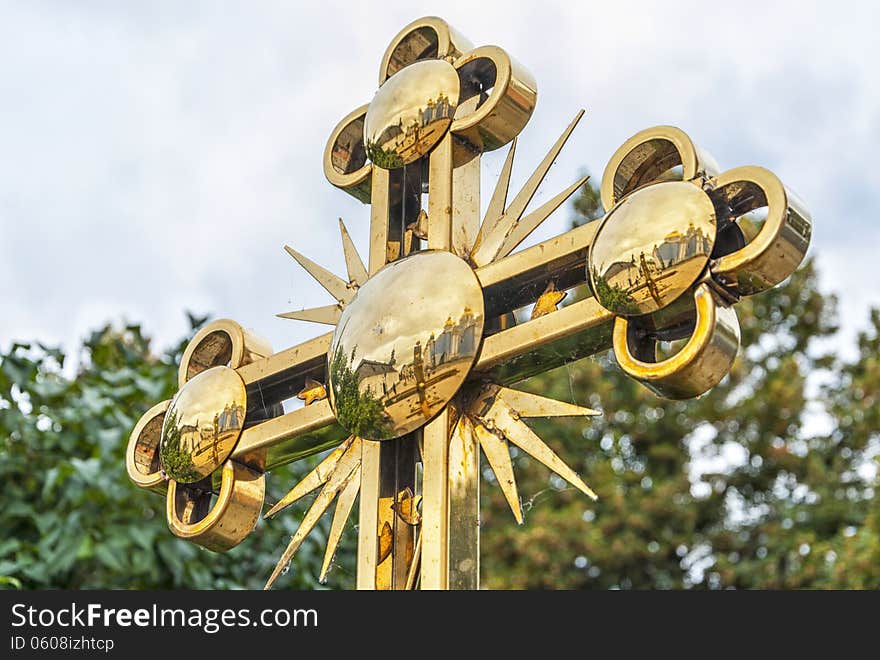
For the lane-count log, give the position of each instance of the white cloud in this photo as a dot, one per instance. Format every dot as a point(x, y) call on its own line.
point(156, 156)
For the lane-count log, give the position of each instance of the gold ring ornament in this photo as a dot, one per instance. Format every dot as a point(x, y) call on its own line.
point(183, 446)
point(431, 82)
point(672, 255)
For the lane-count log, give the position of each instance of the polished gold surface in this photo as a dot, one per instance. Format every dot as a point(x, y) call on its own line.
point(501, 410)
point(337, 481)
point(503, 225)
point(374, 480)
point(575, 331)
point(289, 437)
point(142, 452)
point(452, 199)
point(344, 505)
point(368, 514)
point(783, 239)
point(396, 536)
point(464, 507)
point(652, 247)
point(342, 290)
point(411, 113)
point(313, 391)
point(651, 156)
point(434, 570)
point(203, 424)
point(502, 114)
point(548, 302)
point(441, 197)
point(699, 366)
point(497, 454)
point(337, 287)
point(393, 369)
point(429, 37)
point(431, 330)
point(345, 158)
point(217, 525)
point(220, 343)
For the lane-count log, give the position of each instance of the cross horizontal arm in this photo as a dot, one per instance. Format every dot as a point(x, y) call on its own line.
point(282, 375)
point(290, 437)
point(518, 280)
point(571, 333)
point(578, 330)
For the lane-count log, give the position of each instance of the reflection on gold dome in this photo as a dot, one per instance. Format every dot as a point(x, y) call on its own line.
point(411, 113)
point(392, 370)
point(652, 247)
point(203, 424)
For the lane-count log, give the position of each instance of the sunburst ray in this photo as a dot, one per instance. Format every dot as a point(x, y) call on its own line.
point(338, 480)
point(357, 272)
point(497, 415)
point(492, 241)
point(335, 285)
point(344, 504)
point(527, 404)
point(521, 230)
point(314, 479)
point(328, 315)
point(497, 454)
point(495, 210)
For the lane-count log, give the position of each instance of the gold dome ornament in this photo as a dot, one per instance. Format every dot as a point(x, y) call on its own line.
point(415, 379)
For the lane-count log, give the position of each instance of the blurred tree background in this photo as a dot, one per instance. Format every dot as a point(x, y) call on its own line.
point(768, 481)
point(70, 517)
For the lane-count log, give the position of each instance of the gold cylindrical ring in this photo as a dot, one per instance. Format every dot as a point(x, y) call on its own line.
point(509, 106)
point(142, 452)
point(232, 517)
point(220, 343)
point(345, 158)
point(648, 154)
point(698, 367)
point(780, 245)
point(425, 38)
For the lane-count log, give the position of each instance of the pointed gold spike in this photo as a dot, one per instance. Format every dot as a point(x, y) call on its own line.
point(521, 230)
point(337, 287)
point(357, 273)
point(548, 302)
point(526, 404)
point(516, 431)
point(328, 315)
point(495, 210)
point(522, 199)
point(498, 454)
point(312, 480)
point(349, 461)
point(343, 510)
point(491, 244)
point(414, 565)
point(313, 391)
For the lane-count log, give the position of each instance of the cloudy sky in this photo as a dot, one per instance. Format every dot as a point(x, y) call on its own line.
point(156, 156)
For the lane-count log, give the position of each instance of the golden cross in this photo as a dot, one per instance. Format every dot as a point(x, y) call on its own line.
point(415, 378)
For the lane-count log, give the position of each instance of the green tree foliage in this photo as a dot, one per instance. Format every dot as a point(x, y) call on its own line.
point(360, 411)
point(175, 459)
point(70, 517)
point(744, 487)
